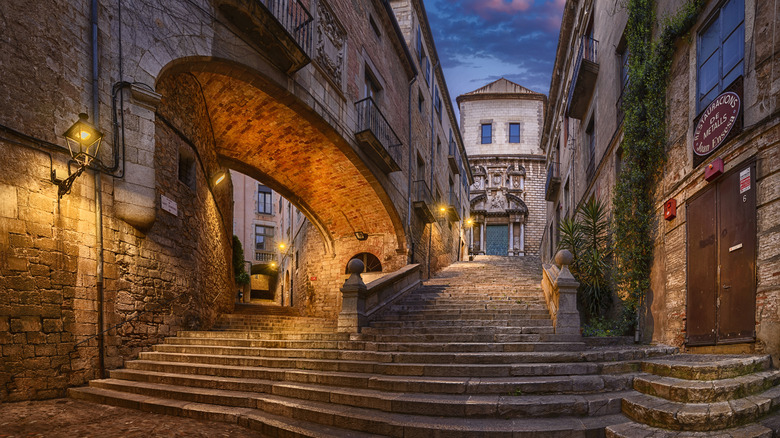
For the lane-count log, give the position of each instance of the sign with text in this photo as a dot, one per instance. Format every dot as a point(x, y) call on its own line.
point(169, 205)
point(716, 123)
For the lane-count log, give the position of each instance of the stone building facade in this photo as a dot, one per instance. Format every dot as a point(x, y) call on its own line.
point(310, 97)
point(501, 124)
point(714, 279)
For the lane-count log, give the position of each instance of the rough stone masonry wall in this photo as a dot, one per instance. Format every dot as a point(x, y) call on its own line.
point(761, 138)
point(48, 295)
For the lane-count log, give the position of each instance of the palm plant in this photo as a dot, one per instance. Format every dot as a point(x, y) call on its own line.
point(587, 237)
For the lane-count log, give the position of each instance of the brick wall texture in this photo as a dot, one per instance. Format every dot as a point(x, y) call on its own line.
point(223, 104)
point(666, 319)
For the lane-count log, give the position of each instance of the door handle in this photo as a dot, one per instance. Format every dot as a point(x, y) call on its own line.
point(726, 286)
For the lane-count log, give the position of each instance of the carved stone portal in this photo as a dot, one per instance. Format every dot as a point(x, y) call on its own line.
point(331, 43)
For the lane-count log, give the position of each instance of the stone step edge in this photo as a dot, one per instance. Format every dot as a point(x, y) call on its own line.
point(706, 391)
point(385, 424)
point(658, 412)
point(220, 371)
point(375, 345)
point(721, 369)
point(634, 430)
point(463, 386)
point(440, 405)
point(253, 419)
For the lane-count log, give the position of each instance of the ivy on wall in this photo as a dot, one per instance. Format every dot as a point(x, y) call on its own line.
point(644, 143)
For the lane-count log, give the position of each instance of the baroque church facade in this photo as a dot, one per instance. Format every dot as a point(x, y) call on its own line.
point(501, 125)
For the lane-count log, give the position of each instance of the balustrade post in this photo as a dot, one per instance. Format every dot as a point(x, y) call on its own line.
point(568, 318)
point(353, 305)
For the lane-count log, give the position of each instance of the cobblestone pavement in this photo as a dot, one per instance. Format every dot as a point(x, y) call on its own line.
point(74, 418)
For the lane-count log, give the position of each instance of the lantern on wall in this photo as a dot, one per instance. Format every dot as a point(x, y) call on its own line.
point(83, 140)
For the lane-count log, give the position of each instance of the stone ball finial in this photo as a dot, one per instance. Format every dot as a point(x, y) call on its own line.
point(355, 266)
point(564, 257)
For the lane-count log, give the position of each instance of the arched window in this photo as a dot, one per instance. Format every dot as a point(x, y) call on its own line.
point(369, 260)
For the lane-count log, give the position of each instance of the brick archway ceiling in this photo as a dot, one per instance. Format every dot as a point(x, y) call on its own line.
point(261, 135)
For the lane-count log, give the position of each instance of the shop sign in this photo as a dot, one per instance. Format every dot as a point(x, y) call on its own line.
point(716, 123)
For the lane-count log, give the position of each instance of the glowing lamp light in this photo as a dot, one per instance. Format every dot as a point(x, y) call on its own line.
point(469, 221)
point(273, 264)
point(83, 144)
point(220, 176)
point(442, 209)
point(282, 246)
point(83, 140)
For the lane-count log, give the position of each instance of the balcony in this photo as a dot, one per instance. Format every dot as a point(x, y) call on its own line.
point(454, 158)
point(583, 81)
point(281, 29)
point(452, 208)
point(265, 257)
point(422, 201)
point(553, 184)
point(378, 139)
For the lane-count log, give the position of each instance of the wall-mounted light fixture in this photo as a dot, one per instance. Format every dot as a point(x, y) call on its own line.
point(84, 144)
point(469, 221)
point(359, 235)
point(219, 177)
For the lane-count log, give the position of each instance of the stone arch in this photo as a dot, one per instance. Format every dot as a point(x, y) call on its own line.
point(262, 130)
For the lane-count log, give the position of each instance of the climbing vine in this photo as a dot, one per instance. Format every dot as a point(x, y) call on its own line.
point(643, 144)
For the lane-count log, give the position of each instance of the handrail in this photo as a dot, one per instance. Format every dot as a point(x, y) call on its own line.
point(421, 192)
point(553, 171)
point(295, 18)
point(588, 51)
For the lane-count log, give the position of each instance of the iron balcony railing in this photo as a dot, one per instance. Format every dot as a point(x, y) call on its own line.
point(588, 51)
point(371, 119)
point(553, 176)
point(421, 192)
point(456, 161)
point(295, 18)
point(265, 257)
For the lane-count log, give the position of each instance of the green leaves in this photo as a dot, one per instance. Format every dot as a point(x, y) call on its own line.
point(587, 237)
point(239, 270)
point(643, 144)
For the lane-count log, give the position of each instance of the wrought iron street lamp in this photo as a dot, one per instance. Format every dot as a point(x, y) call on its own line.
point(83, 140)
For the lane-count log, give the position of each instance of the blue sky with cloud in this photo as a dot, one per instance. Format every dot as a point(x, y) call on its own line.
point(479, 41)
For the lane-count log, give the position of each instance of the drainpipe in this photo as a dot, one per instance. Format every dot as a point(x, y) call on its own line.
point(98, 194)
point(411, 163)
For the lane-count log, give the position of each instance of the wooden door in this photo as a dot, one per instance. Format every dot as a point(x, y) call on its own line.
point(702, 268)
point(721, 229)
point(737, 235)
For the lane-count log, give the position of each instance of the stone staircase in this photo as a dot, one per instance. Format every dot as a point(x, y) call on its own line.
point(703, 396)
point(471, 353)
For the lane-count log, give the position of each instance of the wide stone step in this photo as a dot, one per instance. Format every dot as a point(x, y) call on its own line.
point(706, 391)
point(580, 382)
point(266, 424)
point(459, 338)
point(358, 419)
point(442, 405)
point(636, 430)
point(265, 335)
point(420, 347)
point(492, 330)
point(705, 367)
point(658, 412)
point(464, 324)
point(285, 356)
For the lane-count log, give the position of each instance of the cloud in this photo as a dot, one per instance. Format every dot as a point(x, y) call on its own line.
point(479, 41)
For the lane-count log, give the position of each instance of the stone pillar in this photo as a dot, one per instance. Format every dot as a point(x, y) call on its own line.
point(482, 245)
point(134, 195)
point(522, 238)
point(471, 236)
point(511, 238)
point(568, 318)
point(352, 315)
